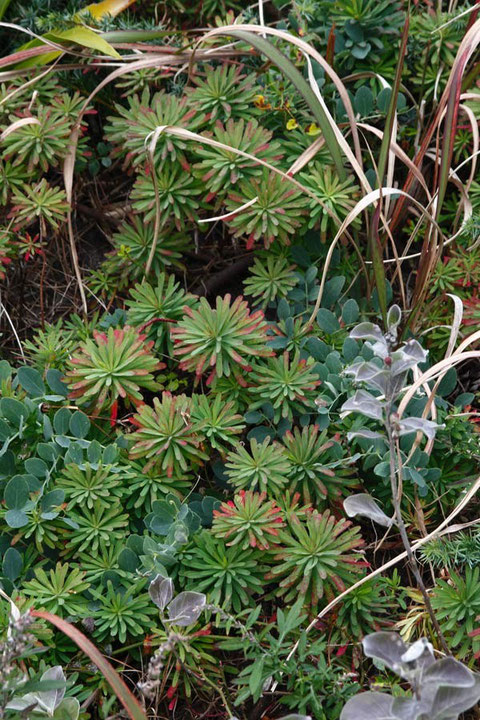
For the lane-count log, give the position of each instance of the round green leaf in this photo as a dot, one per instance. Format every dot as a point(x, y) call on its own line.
point(61, 421)
point(12, 564)
point(31, 381)
point(363, 102)
point(327, 321)
point(16, 518)
point(350, 312)
point(13, 410)
point(79, 424)
point(16, 493)
point(54, 380)
point(36, 467)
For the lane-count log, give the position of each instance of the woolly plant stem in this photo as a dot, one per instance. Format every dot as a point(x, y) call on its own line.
point(396, 499)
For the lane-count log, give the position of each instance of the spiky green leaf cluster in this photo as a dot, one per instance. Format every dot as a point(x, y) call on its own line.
point(166, 436)
point(268, 209)
point(316, 557)
point(315, 465)
point(154, 309)
point(270, 278)
point(229, 576)
point(219, 339)
point(133, 243)
point(289, 383)
point(265, 467)
point(221, 169)
point(248, 520)
point(132, 127)
point(112, 365)
point(218, 421)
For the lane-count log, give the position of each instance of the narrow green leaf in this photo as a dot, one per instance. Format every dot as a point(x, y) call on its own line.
point(4, 7)
point(81, 35)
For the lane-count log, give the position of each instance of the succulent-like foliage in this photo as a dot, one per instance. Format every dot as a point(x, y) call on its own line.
point(132, 245)
point(122, 612)
point(112, 365)
point(50, 347)
point(364, 609)
point(270, 278)
point(249, 520)
point(220, 338)
point(129, 129)
point(288, 383)
point(155, 309)
point(316, 557)
point(39, 202)
point(94, 566)
point(228, 575)
point(43, 142)
point(96, 528)
point(224, 92)
point(221, 169)
point(176, 192)
point(265, 468)
point(310, 454)
point(166, 436)
point(59, 590)
point(12, 177)
point(89, 486)
point(336, 195)
point(276, 211)
point(146, 484)
point(457, 606)
point(218, 421)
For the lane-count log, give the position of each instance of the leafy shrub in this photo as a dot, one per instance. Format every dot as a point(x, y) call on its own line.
point(221, 168)
point(173, 190)
point(42, 142)
point(456, 602)
point(275, 211)
point(313, 464)
point(223, 92)
point(41, 201)
point(154, 308)
point(132, 245)
point(218, 421)
point(130, 128)
point(59, 590)
point(271, 278)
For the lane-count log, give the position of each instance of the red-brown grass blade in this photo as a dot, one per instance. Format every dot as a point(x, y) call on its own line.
point(125, 696)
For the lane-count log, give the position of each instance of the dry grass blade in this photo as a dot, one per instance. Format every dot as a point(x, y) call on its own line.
point(309, 51)
point(18, 124)
point(127, 699)
point(363, 203)
point(436, 371)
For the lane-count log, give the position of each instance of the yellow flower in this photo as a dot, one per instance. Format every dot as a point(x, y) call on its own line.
point(312, 129)
point(259, 102)
point(292, 124)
